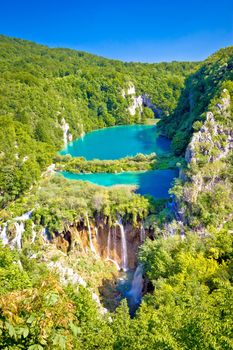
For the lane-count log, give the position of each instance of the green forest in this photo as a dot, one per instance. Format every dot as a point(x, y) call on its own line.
point(41, 86)
point(187, 256)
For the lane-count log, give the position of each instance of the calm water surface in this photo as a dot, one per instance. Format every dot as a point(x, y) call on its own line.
point(118, 142)
point(156, 182)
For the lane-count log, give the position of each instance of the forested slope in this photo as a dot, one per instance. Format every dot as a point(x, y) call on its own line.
point(202, 88)
point(41, 89)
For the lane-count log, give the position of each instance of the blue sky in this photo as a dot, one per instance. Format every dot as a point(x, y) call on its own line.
point(146, 30)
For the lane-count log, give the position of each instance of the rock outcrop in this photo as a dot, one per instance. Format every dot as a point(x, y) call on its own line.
point(106, 242)
point(138, 102)
point(67, 137)
point(204, 155)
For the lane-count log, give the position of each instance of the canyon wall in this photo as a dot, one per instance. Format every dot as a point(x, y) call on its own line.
point(118, 244)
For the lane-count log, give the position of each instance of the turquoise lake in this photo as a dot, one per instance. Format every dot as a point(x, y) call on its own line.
point(155, 183)
point(118, 142)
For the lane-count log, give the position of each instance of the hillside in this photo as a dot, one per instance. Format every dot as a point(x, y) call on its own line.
point(202, 90)
point(63, 241)
point(43, 91)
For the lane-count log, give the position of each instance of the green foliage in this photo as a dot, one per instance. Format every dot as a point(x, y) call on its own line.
point(40, 87)
point(201, 89)
point(12, 276)
point(62, 202)
point(191, 303)
point(81, 165)
point(190, 306)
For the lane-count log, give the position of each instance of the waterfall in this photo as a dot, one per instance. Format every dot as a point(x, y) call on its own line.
point(97, 235)
point(137, 285)
point(33, 233)
point(65, 134)
point(43, 234)
point(24, 217)
point(142, 233)
point(19, 226)
point(65, 128)
point(109, 245)
point(97, 241)
point(90, 236)
point(3, 235)
point(82, 133)
point(17, 241)
point(124, 253)
point(114, 244)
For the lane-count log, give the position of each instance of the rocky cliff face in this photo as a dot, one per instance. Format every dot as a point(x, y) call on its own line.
point(138, 102)
point(146, 100)
point(214, 140)
point(205, 157)
point(118, 244)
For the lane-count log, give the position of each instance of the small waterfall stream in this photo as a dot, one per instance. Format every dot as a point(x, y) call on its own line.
point(124, 252)
point(65, 128)
point(130, 285)
point(97, 237)
point(114, 244)
point(109, 245)
point(82, 132)
point(3, 235)
point(33, 233)
point(96, 233)
point(135, 293)
point(44, 234)
point(90, 235)
point(142, 233)
point(17, 241)
point(19, 227)
point(109, 241)
point(24, 217)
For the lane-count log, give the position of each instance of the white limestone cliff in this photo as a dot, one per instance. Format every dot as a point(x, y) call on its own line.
point(214, 140)
point(67, 137)
point(137, 104)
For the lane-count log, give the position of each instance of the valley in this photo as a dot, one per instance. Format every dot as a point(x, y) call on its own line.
point(97, 205)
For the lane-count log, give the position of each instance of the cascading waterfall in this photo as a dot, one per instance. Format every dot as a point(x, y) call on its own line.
point(114, 244)
point(17, 241)
point(3, 235)
point(82, 133)
point(135, 293)
point(142, 233)
point(65, 134)
point(109, 243)
point(33, 234)
point(90, 236)
point(43, 234)
point(65, 127)
point(19, 226)
point(24, 217)
point(124, 252)
point(97, 235)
